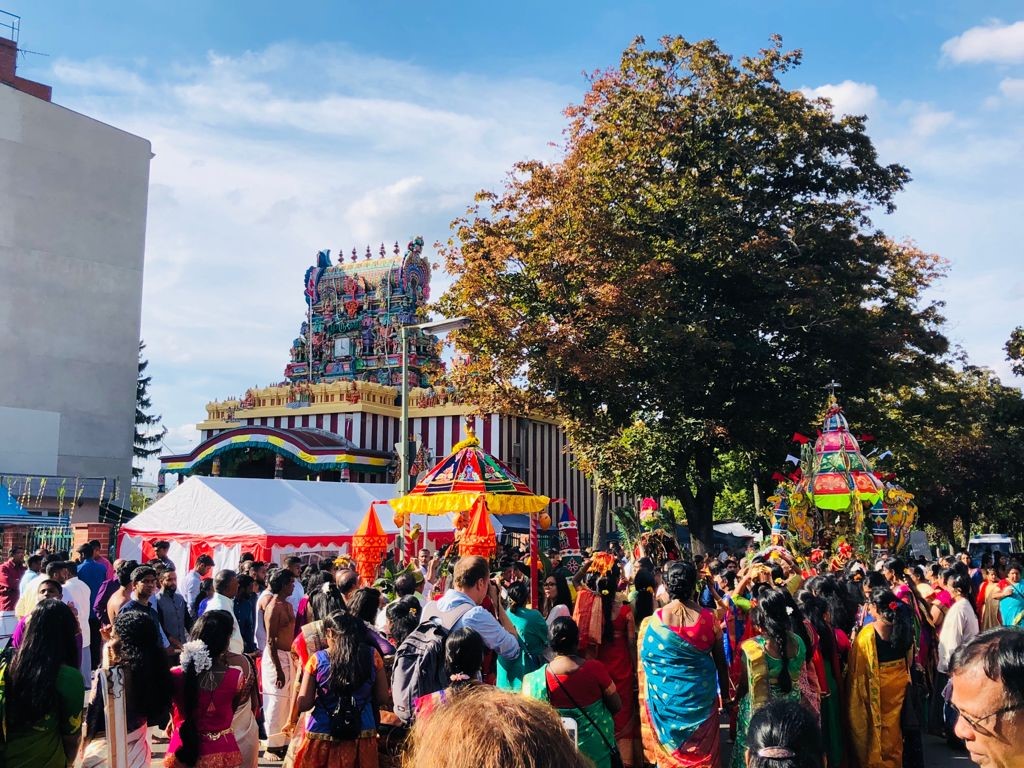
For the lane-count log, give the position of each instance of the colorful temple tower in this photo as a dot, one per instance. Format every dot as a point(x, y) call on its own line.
point(354, 315)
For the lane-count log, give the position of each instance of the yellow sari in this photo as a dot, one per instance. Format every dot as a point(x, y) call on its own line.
point(875, 692)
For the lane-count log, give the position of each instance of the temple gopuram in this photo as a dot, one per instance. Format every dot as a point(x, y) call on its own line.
point(336, 416)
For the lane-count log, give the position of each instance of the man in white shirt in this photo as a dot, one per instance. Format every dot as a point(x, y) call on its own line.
point(77, 596)
point(225, 587)
point(294, 565)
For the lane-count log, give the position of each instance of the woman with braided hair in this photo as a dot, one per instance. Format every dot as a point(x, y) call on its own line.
point(771, 664)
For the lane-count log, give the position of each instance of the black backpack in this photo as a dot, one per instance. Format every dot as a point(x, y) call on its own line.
point(419, 661)
point(347, 715)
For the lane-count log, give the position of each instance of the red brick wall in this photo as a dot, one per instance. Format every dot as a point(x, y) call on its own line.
point(85, 532)
point(8, 68)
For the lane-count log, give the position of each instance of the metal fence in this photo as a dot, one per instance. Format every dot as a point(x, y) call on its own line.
point(53, 538)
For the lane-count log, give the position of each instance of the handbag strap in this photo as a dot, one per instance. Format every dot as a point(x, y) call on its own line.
point(576, 706)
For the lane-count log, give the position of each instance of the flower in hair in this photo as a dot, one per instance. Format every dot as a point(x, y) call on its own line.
point(196, 653)
point(894, 605)
point(459, 677)
point(651, 590)
point(604, 591)
point(779, 582)
point(789, 610)
point(414, 612)
point(326, 588)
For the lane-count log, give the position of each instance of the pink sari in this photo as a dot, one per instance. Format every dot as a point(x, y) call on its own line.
point(217, 745)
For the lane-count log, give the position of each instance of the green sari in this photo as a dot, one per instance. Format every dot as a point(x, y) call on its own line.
point(591, 742)
point(40, 744)
point(533, 639)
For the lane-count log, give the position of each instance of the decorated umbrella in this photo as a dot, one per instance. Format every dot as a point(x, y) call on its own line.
point(369, 543)
point(465, 480)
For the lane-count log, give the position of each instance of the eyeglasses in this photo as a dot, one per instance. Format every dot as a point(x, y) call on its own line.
point(550, 584)
point(976, 722)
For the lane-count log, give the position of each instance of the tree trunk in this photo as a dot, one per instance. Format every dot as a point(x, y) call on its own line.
point(699, 501)
point(600, 514)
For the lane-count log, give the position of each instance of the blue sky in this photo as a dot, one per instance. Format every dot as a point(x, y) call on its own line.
point(278, 131)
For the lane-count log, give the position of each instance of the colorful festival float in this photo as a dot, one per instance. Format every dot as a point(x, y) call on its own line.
point(470, 485)
point(651, 534)
point(835, 503)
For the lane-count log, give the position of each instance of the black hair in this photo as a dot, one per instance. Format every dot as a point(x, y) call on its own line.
point(1000, 654)
point(607, 586)
point(85, 550)
point(292, 560)
point(205, 587)
point(140, 651)
point(40, 583)
point(247, 557)
point(223, 580)
point(771, 616)
point(643, 605)
point(796, 622)
point(562, 594)
point(405, 584)
point(350, 655)
point(281, 578)
point(463, 654)
point(143, 572)
point(204, 560)
point(365, 604)
point(124, 572)
point(518, 594)
point(34, 560)
point(49, 643)
point(403, 616)
point(565, 636)
point(815, 608)
point(323, 602)
point(876, 580)
point(681, 580)
point(54, 566)
point(214, 628)
point(308, 573)
point(784, 734)
point(897, 613)
point(961, 582)
point(896, 565)
point(245, 581)
point(72, 568)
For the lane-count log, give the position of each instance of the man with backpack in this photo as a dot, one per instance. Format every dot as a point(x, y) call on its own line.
point(419, 661)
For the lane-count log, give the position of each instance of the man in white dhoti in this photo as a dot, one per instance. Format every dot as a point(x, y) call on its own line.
point(277, 672)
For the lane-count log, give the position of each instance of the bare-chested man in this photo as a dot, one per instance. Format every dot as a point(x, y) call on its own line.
point(277, 669)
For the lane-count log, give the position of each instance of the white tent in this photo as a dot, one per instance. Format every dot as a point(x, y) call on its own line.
point(226, 516)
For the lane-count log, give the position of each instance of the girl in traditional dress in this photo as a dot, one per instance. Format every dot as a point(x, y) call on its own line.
point(876, 682)
point(771, 664)
point(142, 681)
point(680, 649)
point(349, 671)
point(533, 634)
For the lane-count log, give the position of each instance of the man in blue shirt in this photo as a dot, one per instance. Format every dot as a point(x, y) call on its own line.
point(90, 571)
point(144, 585)
point(472, 586)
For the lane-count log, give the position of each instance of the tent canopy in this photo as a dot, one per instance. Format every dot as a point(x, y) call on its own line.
point(225, 516)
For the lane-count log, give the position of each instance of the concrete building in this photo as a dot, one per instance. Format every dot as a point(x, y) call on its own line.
point(73, 195)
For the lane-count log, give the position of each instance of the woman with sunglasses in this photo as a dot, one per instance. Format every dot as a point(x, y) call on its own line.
point(557, 598)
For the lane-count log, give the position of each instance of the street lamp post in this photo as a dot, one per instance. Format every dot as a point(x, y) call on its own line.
point(438, 326)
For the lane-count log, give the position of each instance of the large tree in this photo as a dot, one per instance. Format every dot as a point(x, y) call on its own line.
point(701, 255)
point(148, 438)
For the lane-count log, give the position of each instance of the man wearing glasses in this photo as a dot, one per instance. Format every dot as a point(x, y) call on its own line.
point(987, 674)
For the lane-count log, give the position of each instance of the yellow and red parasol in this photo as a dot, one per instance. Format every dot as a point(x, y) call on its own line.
point(369, 543)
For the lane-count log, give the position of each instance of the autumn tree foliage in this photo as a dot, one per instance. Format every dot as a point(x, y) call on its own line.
point(699, 262)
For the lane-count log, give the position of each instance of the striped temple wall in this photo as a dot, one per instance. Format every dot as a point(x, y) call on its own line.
point(535, 450)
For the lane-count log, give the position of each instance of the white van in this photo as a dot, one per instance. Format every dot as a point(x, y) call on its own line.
point(989, 542)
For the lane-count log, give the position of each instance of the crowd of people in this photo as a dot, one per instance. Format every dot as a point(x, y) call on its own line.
point(621, 663)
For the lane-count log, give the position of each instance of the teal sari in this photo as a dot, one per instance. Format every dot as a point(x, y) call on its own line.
point(533, 639)
point(592, 741)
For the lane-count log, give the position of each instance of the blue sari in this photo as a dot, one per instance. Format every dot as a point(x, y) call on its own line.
point(679, 694)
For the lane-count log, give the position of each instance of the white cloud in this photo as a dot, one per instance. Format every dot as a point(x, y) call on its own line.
point(929, 121)
point(847, 97)
point(97, 75)
point(263, 159)
point(1012, 88)
point(995, 42)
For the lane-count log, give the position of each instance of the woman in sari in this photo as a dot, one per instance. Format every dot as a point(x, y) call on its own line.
point(247, 703)
point(876, 682)
point(134, 671)
point(680, 649)
point(533, 635)
point(44, 692)
point(203, 693)
point(817, 612)
point(608, 634)
point(771, 665)
point(557, 598)
point(580, 689)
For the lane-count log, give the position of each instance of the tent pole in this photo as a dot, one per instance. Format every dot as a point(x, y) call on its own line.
point(534, 545)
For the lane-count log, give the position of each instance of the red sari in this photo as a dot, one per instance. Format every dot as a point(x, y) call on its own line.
point(620, 662)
